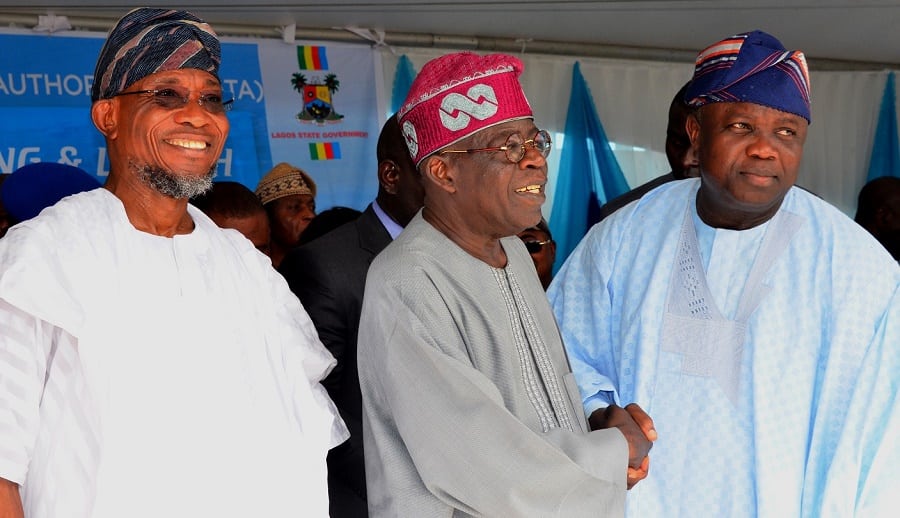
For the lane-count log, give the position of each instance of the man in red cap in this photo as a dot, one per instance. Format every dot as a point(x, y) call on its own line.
point(468, 401)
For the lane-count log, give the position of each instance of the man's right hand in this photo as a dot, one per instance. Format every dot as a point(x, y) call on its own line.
point(637, 427)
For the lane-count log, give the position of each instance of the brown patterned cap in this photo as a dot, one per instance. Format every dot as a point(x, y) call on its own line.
point(284, 180)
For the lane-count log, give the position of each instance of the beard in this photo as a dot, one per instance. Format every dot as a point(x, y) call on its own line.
point(172, 184)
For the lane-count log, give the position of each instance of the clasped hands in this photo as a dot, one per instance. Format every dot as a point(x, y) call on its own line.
point(637, 427)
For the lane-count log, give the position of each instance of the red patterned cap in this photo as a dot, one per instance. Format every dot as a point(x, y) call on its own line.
point(456, 95)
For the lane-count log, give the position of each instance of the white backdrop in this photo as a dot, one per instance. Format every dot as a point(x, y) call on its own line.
point(632, 98)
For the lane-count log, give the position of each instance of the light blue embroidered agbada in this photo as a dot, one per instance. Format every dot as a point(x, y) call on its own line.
point(768, 358)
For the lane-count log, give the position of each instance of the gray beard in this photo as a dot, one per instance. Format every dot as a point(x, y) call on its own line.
point(172, 184)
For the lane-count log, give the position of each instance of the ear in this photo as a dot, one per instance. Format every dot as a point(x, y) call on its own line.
point(105, 115)
point(692, 126)
point(388, 176)
point(438, 172)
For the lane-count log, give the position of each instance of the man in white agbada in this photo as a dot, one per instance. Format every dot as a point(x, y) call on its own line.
point(468, 403)
point(152, 364)
point(758, 324)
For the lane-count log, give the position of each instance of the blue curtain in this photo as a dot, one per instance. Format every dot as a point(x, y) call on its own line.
point(589, 174)
point(403, 78)
point(885, 159)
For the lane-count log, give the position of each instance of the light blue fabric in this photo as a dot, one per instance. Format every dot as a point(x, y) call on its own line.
point(588, 171)
point(814, 429)
point(885, 160)
point(403, 78)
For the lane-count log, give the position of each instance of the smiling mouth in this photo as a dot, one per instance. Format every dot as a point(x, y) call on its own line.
point(530, 189)
point(188, 144)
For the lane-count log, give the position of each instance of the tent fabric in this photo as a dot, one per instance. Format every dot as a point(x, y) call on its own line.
point(589, 173)
point(885, 158)
point(403, 78)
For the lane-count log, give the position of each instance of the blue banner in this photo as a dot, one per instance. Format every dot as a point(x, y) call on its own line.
point(45, 102)
point(47, 71)
point(248, 141)
point(314, 106)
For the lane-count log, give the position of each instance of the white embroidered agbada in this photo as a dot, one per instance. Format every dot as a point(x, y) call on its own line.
point(145, 376)
point(769, 359)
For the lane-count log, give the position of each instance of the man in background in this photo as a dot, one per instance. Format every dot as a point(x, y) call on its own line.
point(34, 187)
point(231, 205)
point(329, 276)
point(542, 248)
point(878, 211)
point(289, 195)
point(678, 152)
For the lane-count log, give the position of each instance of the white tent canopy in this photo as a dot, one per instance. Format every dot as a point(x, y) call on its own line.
point(634, 55)
point(848, 32)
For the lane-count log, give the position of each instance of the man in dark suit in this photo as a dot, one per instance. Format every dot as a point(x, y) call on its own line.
point(678, 152)
point(878, 211)
point(328, 275)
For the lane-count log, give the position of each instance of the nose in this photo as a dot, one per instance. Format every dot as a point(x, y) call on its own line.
point(761, 146)
point(533, 159)
point(192, 113)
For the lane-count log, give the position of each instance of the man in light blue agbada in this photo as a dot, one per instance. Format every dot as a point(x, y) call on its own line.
point(755, 322)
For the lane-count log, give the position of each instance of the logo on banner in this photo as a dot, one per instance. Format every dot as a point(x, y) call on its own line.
point(318, 106)
point(317, 93)
point(479, 102)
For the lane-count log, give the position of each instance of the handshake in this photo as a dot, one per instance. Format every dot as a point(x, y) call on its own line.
point(637, 427)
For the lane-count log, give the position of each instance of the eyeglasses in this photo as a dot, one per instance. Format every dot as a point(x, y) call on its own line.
point(534, 247)
point(515, 146)
point(172, 99)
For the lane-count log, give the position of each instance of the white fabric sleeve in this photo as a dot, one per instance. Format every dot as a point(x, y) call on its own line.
point(23, 362)
point(307, 362)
